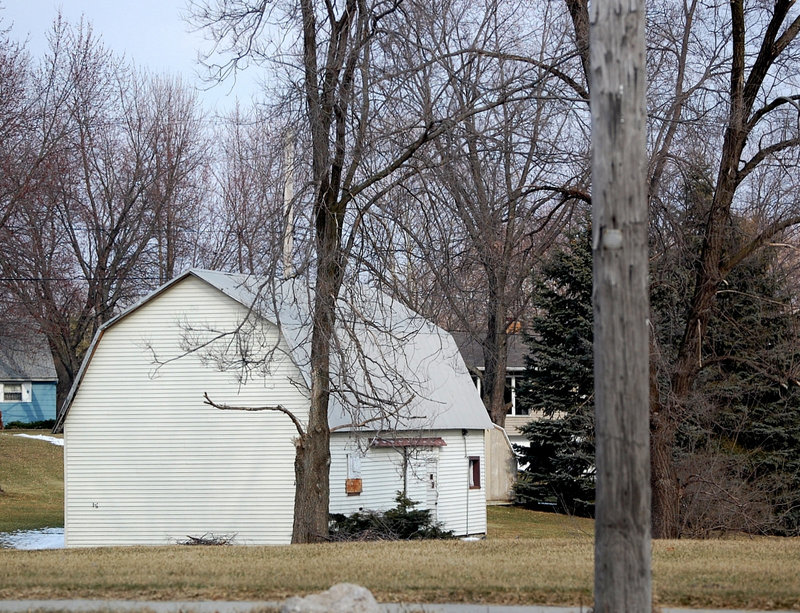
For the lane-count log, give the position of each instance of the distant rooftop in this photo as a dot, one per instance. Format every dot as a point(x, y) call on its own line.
point(472, 350)
point(25, 356)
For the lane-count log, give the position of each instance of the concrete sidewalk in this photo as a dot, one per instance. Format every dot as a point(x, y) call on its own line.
point(219, 606)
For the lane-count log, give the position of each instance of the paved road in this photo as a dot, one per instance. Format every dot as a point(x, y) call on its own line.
point(129, 606)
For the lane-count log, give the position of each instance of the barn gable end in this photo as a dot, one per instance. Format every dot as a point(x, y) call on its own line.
point(147, 462)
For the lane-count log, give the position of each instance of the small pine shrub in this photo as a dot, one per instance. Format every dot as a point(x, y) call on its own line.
point(403, 522)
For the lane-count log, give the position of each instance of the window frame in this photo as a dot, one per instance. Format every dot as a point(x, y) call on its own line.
point(513, 376)
point(474, 472)
point(20, 390)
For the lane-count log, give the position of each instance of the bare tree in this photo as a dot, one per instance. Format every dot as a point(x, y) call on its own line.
point(15, 125)
point(179, 150)
point(28, 137)
point(722, 90)
point(246, 195)
point(370, 102)
point(759, 102)
point(458, 240)
point(89, 232)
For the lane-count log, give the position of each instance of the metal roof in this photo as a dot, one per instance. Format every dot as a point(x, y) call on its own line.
point(391, 369)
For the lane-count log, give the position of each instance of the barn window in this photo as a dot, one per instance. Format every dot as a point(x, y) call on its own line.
point(12, 392)
point(474, 473)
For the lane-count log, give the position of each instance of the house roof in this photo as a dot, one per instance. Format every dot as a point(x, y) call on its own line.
point(391, 369)
point(25, 356)
point(472, 350)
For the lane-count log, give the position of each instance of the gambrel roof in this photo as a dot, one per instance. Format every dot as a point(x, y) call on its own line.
point(391, 369)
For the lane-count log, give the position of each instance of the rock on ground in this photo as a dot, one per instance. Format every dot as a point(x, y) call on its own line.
point(341, 598)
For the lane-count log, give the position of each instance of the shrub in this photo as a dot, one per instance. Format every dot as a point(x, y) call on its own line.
point(403, 522)
point(46, 424)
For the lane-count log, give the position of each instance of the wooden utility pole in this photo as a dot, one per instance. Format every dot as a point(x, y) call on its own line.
point(621, 353)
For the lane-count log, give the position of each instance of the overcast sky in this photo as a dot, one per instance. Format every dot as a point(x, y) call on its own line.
point(152, 33)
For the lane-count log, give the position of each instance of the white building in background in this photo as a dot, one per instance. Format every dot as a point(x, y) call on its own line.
point(516, 415)
point(146, 461)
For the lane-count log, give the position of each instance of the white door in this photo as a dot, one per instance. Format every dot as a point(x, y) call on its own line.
point(432, 496)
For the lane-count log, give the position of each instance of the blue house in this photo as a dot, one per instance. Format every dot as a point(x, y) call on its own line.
point(27, 378)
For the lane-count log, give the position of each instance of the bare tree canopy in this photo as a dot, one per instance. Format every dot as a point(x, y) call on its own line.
point(373, 85)
point(722, 94)
point(108, 209)
point(434, 150)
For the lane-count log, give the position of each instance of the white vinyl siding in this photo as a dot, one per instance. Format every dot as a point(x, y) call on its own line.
point(457, 507)
point(461, 509)
point(381, 478)
point(147, 462)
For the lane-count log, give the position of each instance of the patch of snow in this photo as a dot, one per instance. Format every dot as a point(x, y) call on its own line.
point(46, 538)
point(41, 437)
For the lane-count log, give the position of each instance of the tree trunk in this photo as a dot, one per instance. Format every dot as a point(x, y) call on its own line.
point(579, 13)
point(495, 356)
point(66, 375)
point(313, 460)
point(312, 486)
point(494, 377)
point(312, 464)
point(664, 478)
point(621, 348)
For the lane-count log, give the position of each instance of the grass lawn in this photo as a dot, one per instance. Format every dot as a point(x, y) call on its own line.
point(528, 558)
point(32, 482)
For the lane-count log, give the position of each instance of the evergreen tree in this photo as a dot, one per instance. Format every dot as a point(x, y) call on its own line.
point(558, 464)
point(738, 443)
point(749, 418)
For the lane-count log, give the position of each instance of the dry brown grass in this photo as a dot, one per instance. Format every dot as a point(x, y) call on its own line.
point(32, 480)
point(752, 573)
point(507, 522)
point(444, 571)
point(517, 564)
point(528, 558)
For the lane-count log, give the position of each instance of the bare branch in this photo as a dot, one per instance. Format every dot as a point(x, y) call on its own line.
point(277, 407)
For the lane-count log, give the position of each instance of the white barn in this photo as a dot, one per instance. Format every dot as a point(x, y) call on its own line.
point(146, 461)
